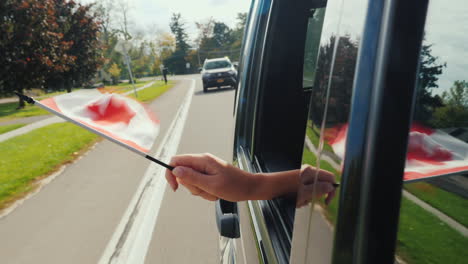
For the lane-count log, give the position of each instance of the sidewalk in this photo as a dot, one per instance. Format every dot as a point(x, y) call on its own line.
point(43, 121)
point(443, 217)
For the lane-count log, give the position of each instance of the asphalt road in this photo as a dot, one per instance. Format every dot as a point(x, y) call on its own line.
point(73, 218)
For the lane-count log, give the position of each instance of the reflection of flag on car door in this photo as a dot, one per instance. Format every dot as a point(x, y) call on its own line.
point(119, 117)
point(430, 152)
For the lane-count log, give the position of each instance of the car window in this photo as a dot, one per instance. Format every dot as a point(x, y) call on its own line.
point(433, 224)
point(314, 30)
point(329, 66)
point(211, 65)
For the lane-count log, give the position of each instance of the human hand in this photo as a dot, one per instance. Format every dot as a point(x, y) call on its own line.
point(211, 178)
point(314, 184)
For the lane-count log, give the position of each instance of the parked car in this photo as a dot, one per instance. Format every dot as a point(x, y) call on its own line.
point(307, 69)
point(218, 72)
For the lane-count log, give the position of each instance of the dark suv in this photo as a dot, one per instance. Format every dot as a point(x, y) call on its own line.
point(218, 73)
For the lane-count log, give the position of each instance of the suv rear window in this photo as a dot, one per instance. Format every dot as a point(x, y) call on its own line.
point(217, 65)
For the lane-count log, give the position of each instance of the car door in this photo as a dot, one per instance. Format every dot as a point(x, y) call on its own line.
point(373, 92)
point(271, 111)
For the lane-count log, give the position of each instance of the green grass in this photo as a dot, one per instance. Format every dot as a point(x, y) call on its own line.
point(315, 139)
point(450, 204)
point(153, 91)
point(331, 210)
point(27, 158)
point(125, 87)
point(424, 239)
point(8, 128)
point(8, 111)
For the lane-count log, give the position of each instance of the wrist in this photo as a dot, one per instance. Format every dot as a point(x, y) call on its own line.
point(267, 186)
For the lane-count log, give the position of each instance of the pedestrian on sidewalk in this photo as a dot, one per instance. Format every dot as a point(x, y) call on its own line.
point(164, 72)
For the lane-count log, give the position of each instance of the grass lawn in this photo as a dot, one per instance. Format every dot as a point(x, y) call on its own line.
point(8, 111)
point(450, 204)
point(422, 237)
point(152, 92)
point(30, 157)
point(124, 87)
point(315, 139)
point(8, 128)
point(331, 210)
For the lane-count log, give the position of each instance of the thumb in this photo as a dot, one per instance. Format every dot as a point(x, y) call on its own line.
point(190, 176)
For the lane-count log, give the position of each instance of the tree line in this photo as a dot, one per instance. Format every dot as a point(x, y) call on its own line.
point(61, 44)
point(47, 43)
point(447, 110)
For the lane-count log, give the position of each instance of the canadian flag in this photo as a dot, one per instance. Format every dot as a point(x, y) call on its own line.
point(117, 116)
point(431, 152)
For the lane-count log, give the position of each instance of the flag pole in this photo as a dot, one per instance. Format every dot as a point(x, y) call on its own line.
point(30, 100)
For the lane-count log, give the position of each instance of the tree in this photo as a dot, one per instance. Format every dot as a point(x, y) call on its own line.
point(342, 77)
point(429, 72)
point(238, 36)
point(454, 113)
point(115, 73)
point(31, 43)
point(222, 35)
point(176, 62)
point(81, 28)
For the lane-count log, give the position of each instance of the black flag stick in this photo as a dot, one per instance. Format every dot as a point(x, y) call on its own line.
point(30, 100)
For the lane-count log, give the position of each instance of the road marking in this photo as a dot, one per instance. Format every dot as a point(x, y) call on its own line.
point(130, 241)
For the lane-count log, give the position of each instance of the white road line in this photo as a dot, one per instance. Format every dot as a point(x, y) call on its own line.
point(130, 241)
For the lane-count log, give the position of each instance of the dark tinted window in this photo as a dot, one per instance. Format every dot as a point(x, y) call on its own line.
point(328, 76)
point(217, 64)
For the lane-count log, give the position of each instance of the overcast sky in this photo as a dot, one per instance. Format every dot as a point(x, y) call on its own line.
point(149, 15)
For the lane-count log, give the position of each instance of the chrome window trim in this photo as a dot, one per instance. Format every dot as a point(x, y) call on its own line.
point(257, 217)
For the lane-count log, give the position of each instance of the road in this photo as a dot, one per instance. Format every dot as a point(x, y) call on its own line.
point(76, 217)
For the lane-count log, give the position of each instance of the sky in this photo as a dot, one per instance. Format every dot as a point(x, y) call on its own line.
point(152, 15)
point(446, 26)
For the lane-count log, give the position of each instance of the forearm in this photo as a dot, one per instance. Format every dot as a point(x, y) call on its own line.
point(267, 186)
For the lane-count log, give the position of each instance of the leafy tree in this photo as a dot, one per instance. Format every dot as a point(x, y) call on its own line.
point(222, 35)
point(31, 43)
point(81, 28)
point(238, 35)
point(115, 73)
point(429, 72)
point(341, 80)
point(454, 113)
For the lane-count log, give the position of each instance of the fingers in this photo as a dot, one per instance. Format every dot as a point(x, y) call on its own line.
point(308, 191)
point(309, 175)
point(193, 177)
point(198, 162)
point(171, 180)
point(198, 192)
point(330, 196)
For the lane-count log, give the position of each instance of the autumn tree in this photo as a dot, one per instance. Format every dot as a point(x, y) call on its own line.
point(31, 43)
point(115, 71)
point(80, 27)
